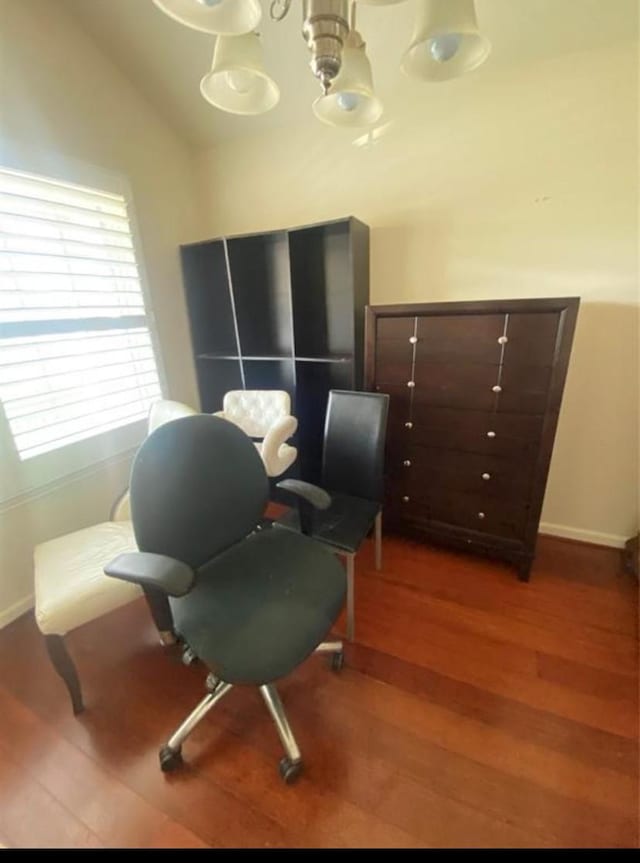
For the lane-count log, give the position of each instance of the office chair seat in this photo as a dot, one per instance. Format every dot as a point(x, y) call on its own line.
point(259, 609)
point(343, 525)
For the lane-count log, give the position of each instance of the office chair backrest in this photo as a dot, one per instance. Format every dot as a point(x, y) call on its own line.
point(354, 441)
point(198, 486)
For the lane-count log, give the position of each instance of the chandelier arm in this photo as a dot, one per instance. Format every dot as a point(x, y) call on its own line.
point(279, 9)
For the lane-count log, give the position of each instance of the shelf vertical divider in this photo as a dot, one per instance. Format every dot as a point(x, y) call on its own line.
point(233, 309)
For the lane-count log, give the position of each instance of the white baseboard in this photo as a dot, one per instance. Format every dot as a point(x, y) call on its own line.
point(577, 533)
point(16, 610)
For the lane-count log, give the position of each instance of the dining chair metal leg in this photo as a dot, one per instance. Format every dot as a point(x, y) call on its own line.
point(329, 647)
point(351, 612)
point(378, 540)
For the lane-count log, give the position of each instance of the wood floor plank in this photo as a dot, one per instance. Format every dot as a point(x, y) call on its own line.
point(520, 721)
point(329, 725)
point(621, 688)
point(500, 790)
point(604, 602)
point(398, 630)
point(474, 711)
point(110, 810)
point(30, 817)
point(454, 621)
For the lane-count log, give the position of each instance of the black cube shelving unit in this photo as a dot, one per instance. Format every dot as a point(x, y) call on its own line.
point(281, 310)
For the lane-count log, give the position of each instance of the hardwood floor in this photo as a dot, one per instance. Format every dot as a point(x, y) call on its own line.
point(473, 711)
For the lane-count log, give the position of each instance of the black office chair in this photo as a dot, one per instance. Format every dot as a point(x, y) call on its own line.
point(352, 473)
point(252, 604)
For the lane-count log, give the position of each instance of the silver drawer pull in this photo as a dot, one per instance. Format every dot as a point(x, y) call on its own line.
point(503, 340)
point(497, 388)
point(406, 463)
point(411, 384)
point(491, 434)
point(480, 515)
point(413, 340)
point(486, 476)
point(405, 499)
point(408, 425)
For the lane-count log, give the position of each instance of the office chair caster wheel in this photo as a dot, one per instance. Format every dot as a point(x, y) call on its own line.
point(170, 759)
point(188, 656)
point(337, 661)
point(290, 770)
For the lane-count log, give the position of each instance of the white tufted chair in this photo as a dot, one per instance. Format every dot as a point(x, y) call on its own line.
point(264, 414)
point(71, 588)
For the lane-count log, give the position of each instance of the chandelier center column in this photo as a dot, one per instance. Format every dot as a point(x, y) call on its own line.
point(325, 28)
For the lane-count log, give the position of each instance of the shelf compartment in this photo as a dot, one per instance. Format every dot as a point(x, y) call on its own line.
point(314, 380)
point(261, 285)
point(271, 375)
point(322, 289)
point(215, 378)
point(208, 298)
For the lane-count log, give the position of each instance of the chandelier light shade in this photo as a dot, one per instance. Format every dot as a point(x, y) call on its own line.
point(226, 17)
point(351, 100)
point(238, 82)
point(446, 41)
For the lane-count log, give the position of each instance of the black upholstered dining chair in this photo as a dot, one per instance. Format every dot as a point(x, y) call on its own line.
point(353, 475)
point(251, 602)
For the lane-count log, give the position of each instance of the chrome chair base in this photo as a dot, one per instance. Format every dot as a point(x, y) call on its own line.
point(291, 765)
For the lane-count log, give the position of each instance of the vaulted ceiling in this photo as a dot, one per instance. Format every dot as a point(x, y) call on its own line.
point(166, 60)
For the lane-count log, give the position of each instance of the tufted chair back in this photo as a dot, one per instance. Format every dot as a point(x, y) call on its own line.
point(256, 411)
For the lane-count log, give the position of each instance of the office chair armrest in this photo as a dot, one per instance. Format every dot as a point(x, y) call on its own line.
point(170, 576)
point(313, 494)
point(308, 499)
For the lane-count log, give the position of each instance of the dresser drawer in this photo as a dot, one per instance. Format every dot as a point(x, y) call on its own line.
point(524, 388)
point(394, 328)
point(393, 352)
point(531, 339)
point(503, 434)
point(443, 338)
point(455, 384)
point(399, 404)
point(423, 469)
point(504, 518)
point(480, 386)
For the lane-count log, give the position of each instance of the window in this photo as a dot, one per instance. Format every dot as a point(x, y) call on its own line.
point(76, 357)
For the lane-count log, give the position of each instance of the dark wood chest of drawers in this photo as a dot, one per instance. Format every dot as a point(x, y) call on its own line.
point(475, 394)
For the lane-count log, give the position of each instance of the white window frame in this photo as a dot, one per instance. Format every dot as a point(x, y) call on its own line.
point(22, 477)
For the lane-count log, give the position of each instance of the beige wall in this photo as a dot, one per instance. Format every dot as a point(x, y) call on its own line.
point(524, 186)
point(63, 100)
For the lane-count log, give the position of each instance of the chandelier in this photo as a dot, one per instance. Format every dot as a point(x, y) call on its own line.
point(446, 43)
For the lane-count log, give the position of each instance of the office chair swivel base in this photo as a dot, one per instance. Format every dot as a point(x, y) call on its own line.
point(290, 765)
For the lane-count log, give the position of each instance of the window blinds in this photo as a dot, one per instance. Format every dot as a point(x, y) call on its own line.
point(76, 357)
